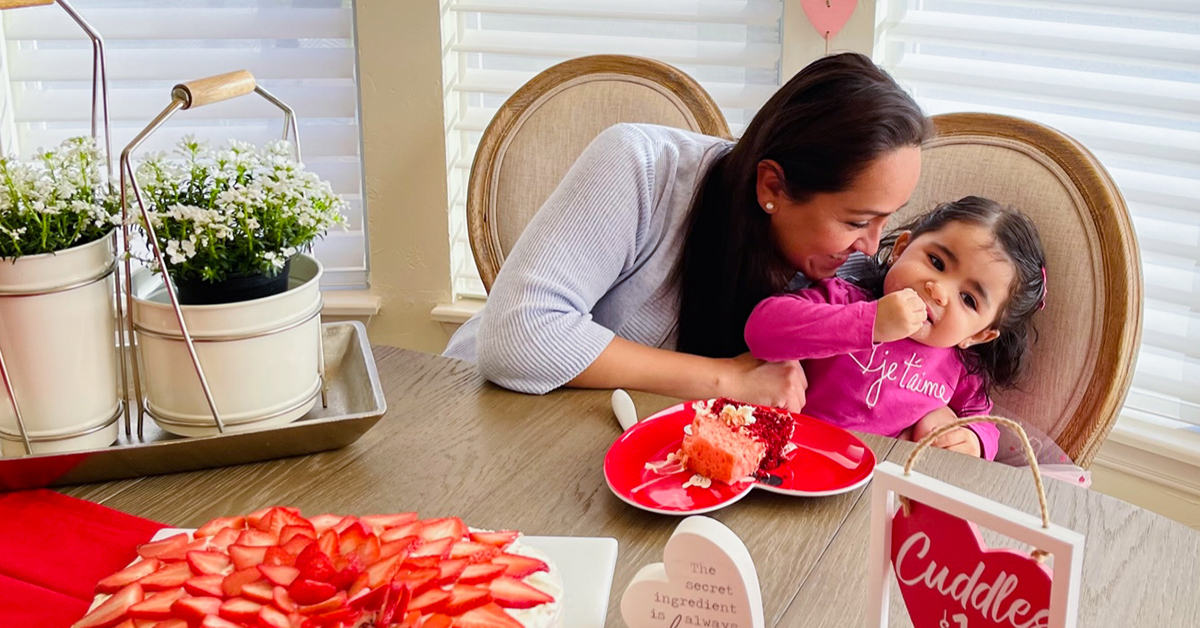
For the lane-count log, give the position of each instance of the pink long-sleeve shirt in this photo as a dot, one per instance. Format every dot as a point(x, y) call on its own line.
point(858, 384)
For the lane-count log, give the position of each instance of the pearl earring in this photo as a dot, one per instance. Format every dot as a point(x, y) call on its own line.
point(770, 206)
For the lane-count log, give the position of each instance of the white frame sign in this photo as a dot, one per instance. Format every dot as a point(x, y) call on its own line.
point(890, 482)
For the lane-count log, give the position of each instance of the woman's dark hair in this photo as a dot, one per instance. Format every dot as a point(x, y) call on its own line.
point(1001, 361)
point(824, 127)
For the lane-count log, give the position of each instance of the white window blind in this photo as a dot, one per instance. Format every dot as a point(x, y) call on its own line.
point(492, 47)
point(302, 51)
point(1122, 77)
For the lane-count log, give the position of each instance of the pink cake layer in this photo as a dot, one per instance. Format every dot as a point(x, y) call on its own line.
point(719, 453)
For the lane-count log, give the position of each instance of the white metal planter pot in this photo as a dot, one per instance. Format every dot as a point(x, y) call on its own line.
point(58, 343)
point(261, 357)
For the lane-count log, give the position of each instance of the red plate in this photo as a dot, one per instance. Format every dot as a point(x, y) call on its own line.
point(828, 461)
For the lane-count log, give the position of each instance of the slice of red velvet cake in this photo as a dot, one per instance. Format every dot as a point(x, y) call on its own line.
point(729, 441)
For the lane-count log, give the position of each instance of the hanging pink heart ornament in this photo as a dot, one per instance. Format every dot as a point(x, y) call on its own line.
point(828, 16)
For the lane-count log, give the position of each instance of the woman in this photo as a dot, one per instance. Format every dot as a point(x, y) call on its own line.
point(641, 268)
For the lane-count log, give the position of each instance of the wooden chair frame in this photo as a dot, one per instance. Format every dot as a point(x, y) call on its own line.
point(481, 205)
point(1121, 330)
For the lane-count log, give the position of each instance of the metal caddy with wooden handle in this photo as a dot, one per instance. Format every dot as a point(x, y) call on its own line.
point(190, 95)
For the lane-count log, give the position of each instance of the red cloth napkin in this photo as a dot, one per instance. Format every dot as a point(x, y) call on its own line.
point(53, 551)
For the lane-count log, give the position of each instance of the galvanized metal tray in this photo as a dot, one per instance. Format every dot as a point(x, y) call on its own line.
point(355, 403)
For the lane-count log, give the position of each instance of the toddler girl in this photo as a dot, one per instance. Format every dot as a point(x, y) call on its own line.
point(942, 317)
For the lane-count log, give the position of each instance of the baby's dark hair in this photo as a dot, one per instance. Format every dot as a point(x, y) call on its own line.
point(1001, 361)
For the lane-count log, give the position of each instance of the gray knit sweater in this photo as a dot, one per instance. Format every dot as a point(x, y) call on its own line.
point(595, 261)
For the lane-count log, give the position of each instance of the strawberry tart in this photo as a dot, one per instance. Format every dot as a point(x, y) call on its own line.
point(730, 442)
point(276, 569)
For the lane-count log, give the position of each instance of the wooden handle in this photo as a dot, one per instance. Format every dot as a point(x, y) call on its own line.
point(213, 89)
point(17, 4)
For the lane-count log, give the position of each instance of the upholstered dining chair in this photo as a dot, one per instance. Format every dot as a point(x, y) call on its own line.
point(542, 128)
point(1088, 334)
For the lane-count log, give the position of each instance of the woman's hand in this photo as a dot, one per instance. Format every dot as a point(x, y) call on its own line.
point(959, 439)
point(778, 384)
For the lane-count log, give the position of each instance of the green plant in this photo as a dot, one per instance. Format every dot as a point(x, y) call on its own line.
point(54, 201)
point(236, 211)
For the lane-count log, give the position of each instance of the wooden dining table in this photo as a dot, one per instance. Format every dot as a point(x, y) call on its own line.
point(452, 444)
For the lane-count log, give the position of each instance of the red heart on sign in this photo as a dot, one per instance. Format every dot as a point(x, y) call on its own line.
point(828, 16)
point(950, 579)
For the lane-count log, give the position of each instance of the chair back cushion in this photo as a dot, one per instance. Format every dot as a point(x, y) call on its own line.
point(1081, 365)
point(541, 130)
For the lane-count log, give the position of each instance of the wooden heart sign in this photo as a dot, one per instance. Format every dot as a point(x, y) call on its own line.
point(949, 578)
point(828, 16)
point(707, 578)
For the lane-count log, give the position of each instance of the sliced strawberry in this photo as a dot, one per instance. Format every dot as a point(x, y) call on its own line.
point(450, 570)
point(297, 544)
point(306, 592)
point(180, 553)
point(500, 538)
point(368, 552)
point(259, 591)
point(156, 606)
point(255, 519)
point(333, 603)
point(464, 597)
point(439, 548)
point(360, 585)
point(483, 572)
point(233, 583)
point(395, 603)
point(277, 518)
point(207, 562)
point(368, 599)
point(429, 602)
point(421, 562)
point(451, 527)
point(224, 539)
point(257, 538)
point(213, 621)
point(418, 580)
point(512, 593)
point(475, 552)
point(321, 523)
point(167, 577)
point(282, 600)
point(246, 556)
point(128, 576)
point(348, 574)
point(411, 620)
point(278, 556)
point(379, 523)
point(339, 617)
point(382, 571)
point(195, 609)
point(403, 544)
point(345, 523)
point(315, 564)
point(240, 610)
point(271, 618)
point(212, 528)
point(520, 566)
point(437, 620)
point(128, 623)
point(486, 616)
point(113, 610)
point(328, 542)
point(351, 538)
point(152, 550)
point(170, 623)
point(207, 585)
point(402, 531)
point(290, 532)
point(282, 575)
